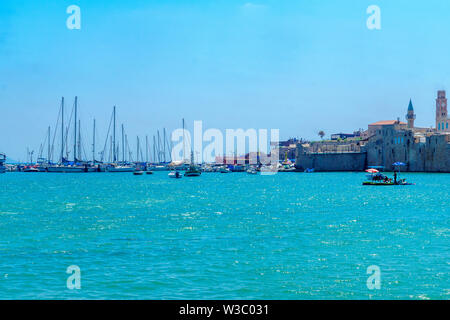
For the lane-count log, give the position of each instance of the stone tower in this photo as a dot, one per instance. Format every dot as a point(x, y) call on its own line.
point(442, 121)
point(410, 116)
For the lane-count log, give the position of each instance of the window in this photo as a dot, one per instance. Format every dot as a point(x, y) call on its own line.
point(446, 126)
point(439, 126)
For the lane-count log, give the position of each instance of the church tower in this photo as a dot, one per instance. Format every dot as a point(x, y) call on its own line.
point(410, 116)
point(442, 121)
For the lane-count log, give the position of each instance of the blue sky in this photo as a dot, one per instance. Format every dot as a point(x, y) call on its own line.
point(300, 66)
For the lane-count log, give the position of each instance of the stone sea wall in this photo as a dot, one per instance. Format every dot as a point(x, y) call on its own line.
point(352, 161)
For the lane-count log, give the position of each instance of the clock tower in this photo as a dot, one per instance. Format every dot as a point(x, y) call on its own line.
point(442, 121)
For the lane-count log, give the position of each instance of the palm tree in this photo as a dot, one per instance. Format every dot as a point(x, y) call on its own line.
point(321, 134)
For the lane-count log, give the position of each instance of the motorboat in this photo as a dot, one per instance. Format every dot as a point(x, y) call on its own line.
point(175, 174)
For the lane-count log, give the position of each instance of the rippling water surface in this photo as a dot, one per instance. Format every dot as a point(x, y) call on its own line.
point(223, 236)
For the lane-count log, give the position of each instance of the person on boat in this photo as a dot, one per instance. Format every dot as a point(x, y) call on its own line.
point(395, 177)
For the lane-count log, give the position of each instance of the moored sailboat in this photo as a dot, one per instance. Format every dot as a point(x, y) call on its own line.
point(193, 170)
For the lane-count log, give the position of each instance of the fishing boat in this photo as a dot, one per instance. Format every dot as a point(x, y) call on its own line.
point(2, 163)
point(401, 182)
point(376, 178)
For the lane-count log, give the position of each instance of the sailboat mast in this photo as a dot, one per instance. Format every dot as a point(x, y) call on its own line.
point(184, 150)
point(154, 149)
point(110, 148)
point(123, 145)
point(137, 149)
point(169, 149)
point(114, 136)
point(128, 148)
point(75, 134)
point(48, 137)
point(164, 144)
point(79, 140)
point(146, 149)
point(159, 147)
point(93, 144)
point(62, 129)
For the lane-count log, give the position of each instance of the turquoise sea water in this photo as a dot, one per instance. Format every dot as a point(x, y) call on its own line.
point(223, 236)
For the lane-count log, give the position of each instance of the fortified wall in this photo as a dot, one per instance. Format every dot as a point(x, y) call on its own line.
point(330, 160)
point(420, 151)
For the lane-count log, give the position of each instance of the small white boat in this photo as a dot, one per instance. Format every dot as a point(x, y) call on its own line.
point(175, 175)
point(138, 173)
point(252, 171)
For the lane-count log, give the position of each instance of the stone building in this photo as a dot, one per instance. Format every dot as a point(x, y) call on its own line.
point(384, 143)
point(442, 120)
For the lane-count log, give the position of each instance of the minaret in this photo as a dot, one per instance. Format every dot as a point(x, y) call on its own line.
point(410, 116)
point(441, 112)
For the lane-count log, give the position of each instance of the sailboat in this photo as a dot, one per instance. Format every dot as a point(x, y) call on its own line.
point(118, 166)
point(193, 170)
point(65, 165)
